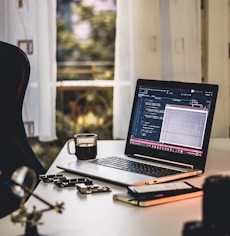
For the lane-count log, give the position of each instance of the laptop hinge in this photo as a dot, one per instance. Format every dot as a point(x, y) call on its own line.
point(165, 162)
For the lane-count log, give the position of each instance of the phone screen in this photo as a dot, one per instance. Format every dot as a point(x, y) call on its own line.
point(160, 187)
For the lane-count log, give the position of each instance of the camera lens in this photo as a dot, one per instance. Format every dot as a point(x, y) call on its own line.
point(193, 228)
point(216, 205)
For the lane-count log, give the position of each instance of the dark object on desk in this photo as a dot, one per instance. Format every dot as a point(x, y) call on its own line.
point(62, 181)
point(51, 178)
point(15, 151)
point(92, 188)
point(216, 208)
point(193, 228)
point(216, 204)
point(84, 185)
point(73, 182)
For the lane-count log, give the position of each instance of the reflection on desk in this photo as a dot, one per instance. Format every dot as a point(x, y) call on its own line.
point(98, 214)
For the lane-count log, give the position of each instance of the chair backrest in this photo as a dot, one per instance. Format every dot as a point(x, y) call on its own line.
point(15, 150)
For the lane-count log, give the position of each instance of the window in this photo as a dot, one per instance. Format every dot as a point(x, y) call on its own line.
point(85, 55)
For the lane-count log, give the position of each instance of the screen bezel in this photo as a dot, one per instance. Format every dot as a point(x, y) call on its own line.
point(197, 162)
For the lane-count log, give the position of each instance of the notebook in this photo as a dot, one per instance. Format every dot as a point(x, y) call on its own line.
point(155, 194)
point(169, 130)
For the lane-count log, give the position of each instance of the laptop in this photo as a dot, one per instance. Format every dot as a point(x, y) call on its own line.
point(169, 130)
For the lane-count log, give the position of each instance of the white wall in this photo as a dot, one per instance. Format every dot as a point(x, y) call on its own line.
point(217, 61)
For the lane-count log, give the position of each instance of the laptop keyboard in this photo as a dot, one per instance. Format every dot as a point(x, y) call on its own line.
point(133, 166)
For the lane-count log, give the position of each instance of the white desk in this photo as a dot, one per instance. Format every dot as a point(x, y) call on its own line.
point(99, 215)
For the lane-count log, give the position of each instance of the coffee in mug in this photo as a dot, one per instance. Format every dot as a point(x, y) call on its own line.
point(85, 146)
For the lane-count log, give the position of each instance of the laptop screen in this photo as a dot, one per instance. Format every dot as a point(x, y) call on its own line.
point(171, 117)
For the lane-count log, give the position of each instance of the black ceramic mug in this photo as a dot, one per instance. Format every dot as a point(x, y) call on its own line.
point(85, 146)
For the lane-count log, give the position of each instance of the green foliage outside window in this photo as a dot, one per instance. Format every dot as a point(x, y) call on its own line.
point(87, 110)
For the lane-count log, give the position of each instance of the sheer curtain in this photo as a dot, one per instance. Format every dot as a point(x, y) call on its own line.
point(35, 21)
point(155, 39)
point(181, 40)
point(46, 12)
point(137, 55)
point(124, 78)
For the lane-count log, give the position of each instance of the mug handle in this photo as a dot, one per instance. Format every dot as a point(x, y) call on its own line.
point(68, 146)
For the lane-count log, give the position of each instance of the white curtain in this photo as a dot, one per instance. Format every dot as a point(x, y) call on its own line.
point(181, 40)
point(137, 55)
point(123, 69)
point(155, 39)
point(46, 12)
point(35, 21)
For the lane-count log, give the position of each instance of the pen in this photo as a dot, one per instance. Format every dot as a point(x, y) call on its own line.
point(156, 181)
point(163, 180)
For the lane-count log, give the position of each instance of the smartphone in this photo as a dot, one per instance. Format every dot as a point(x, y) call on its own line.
point(160, 189)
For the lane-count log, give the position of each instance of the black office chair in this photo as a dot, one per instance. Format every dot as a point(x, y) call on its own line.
point(15, 150)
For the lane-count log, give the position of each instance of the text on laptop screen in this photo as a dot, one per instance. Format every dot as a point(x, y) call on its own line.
point(171, 119)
